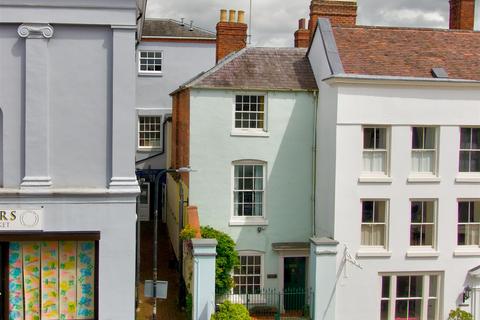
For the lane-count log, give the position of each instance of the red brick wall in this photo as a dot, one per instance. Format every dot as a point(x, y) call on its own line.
point(343, 13)
point(302, 38)
point(231, 37)
point(181, 131)
point(462, 14)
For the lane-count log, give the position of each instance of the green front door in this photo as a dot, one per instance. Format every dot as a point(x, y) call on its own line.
point(294, 278)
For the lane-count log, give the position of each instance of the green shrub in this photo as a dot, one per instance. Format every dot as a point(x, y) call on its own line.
point(187, 233)
point(226, 259)
point(188, 306)
point(459, 314)
point(231, 311)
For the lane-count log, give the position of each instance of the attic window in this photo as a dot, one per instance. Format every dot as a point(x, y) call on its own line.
point(439, 73)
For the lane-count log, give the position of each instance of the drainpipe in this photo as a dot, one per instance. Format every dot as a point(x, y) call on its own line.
point(314, 161)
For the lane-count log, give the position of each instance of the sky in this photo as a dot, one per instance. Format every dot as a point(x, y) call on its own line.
point(275, 21)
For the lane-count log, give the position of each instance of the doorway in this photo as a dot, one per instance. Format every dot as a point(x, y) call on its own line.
point(294, 281)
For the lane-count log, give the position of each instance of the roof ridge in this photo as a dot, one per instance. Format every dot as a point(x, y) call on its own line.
point(399, 28)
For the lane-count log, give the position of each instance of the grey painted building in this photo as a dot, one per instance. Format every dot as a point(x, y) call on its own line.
point(68, 186)
point(170, 53)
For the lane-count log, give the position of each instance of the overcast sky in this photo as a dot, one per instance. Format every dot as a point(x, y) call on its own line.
point(275, 21)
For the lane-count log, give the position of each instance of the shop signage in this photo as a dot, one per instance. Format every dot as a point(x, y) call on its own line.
point(21, 219)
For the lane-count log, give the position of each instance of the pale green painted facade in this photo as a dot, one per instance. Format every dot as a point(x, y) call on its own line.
point(287, 151)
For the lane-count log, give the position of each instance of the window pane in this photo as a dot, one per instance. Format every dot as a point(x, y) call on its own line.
point(379, 211)
point(385, 287)
point(472, 234)
point(432, 291)
point(427, 235)
point(415, 235)
point(381, 138)
point(476, 212)
point(415, 309)
point(416, 284)
point(403, 286)
point(476, 138)
point(432, 309)
point(367, 211)
point(463, 210)
point(379, 161)
point(401, 309)
point(366, 234)
point(464, 164)
point(428, 211)
point(465, 138)
point(259, 171)
point(417, 138)
point(384, 309)
point(416, 211)
point(475, 161)
point(378, 235)
point(462, 239)
point(429, 138)
point(368, 138)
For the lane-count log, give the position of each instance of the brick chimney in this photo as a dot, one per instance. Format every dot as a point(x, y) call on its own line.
point(462, 14)
point(302, 35)
point(231, 34)
point(340, 12)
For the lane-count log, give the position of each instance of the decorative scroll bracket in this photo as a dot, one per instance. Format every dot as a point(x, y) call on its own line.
point(35, 30)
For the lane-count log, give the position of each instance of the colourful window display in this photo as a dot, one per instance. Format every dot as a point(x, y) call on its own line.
point(50, 280)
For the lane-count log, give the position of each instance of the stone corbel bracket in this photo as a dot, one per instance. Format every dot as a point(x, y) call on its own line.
point(35, 30)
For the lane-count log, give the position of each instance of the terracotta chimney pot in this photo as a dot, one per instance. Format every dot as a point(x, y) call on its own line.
point(223, 15)
point(241, 16)
point(232, 16)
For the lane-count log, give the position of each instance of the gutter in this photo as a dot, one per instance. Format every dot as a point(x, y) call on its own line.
point(343, 78)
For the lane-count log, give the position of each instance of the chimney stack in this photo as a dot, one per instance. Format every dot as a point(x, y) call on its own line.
point(462, 14)
point(340, 12)
point(302, 35)
point(231, 34)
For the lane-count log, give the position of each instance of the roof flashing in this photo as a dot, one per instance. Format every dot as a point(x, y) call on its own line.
point(440, 73)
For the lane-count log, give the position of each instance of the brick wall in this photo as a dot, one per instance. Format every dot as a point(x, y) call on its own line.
point(462, 14)
point(231, 37)
point(343, 13)
point(181, 131)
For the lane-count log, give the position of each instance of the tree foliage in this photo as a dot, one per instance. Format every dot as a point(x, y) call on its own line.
point(226, 259)
point(459, 314)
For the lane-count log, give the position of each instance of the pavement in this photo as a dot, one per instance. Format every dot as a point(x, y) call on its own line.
point(166, 309)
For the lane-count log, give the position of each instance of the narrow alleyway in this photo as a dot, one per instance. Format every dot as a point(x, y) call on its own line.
point(166, 309)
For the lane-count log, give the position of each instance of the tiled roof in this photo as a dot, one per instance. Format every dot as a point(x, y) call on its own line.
point(173, 28)
point(261, 68)
point(383, 51)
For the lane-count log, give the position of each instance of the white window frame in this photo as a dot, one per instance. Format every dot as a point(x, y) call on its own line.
point(379, 174)
point(367, 248)
point(426, 248)
point(248, 220)
point(427, 174)
point(251, 253)
point(143, 114)
point(472, 246)
point(425, 292)
point(150, 72)
point(476, 173)
point(258, 132)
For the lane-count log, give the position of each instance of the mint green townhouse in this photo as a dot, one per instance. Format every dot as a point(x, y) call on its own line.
point(247, 129)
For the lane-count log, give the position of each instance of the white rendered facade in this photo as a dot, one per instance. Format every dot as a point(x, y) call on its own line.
point(346, 107)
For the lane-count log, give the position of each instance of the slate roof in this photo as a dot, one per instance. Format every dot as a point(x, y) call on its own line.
point(174, 28)
point(261, 69)
point(407, 52)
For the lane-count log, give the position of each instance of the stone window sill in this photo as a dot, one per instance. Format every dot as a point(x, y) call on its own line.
point(150, 74)
point(365, 178)
point(247, 133)
point(467, 252)
point(468, 178)
point(418, 178)
point(424, 253)
point(234, 222)
point(373, 253)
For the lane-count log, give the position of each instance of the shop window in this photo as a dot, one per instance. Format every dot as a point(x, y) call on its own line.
point(51, 280)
